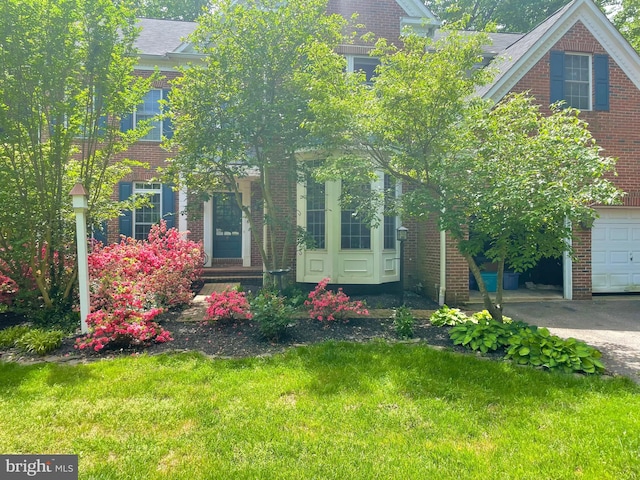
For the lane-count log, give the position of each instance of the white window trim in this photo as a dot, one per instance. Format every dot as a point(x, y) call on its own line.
point(590, 76)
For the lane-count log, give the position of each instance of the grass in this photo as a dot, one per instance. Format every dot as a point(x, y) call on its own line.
point(335, 410)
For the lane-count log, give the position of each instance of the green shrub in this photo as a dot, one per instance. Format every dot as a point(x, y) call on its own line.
point(448, 316)
point(8, 336)
point(485, 315)
point(40, 341)
point(536, 346)
point(482, 336)
point(272, 314)
point(403, 321)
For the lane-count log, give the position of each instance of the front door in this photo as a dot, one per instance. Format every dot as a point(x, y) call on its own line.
point(227, 226)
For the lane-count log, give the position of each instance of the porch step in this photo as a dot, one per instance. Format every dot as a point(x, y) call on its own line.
point(232, 274)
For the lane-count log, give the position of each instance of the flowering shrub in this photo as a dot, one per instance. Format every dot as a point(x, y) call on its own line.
point(229, 304)
point(327, 305)
point(141, 275)
point(8, 288)
point(122, 327)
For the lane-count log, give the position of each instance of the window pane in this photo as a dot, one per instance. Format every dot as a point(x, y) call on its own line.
point(145, 217)
point(354, 233)
point(367, 65)
point(316, 223)
point(149, 109)
point(577, 81)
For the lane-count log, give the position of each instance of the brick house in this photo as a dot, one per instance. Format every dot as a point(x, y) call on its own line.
point(575, 55)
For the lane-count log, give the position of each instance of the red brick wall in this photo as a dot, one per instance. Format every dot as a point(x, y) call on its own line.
point(380, 17)
point(616, 131)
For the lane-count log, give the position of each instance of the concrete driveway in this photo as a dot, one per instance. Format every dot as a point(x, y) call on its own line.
point(611, 324)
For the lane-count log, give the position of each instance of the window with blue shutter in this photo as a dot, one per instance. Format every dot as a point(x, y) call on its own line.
point(168, 205)
point(167, 124)
point(572, 81)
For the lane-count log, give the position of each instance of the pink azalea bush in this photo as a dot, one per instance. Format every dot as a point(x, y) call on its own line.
point(157, 272)
point(8, 289)
point(227, 305)
point(123, 327)
point(327, 305)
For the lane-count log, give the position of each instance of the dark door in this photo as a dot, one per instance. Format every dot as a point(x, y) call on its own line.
point(227, 226)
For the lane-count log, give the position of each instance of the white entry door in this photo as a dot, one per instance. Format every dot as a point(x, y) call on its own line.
point(615, 251)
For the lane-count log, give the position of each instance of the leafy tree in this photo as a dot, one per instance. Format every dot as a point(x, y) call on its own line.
point(501, 179)
point(187, 10)
point(626, 18)
point(66, 78)
point(505, 15)
point(241, 112)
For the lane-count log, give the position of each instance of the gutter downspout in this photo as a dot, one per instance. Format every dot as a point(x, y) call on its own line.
point(443, 267)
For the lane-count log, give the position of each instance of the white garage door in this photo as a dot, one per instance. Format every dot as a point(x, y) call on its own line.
point(615, 251)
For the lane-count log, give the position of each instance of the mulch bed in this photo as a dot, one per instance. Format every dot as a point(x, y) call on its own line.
point(239, 339)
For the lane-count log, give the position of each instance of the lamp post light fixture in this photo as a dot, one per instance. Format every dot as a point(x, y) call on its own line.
point(401, 235)
point(80, 206)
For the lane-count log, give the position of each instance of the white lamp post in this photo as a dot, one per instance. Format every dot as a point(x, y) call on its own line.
point(80, 206)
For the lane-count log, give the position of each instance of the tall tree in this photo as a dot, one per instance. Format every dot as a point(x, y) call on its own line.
point(66, 78)
point(502, 180)
point(626, 18)
point(518, 16)
point(186, 10)
point(241, 112)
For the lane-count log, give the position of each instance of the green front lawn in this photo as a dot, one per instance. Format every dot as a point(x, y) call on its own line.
point(335, 410)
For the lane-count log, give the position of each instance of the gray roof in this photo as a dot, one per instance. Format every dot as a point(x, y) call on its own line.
point(159, 37)
point(510, 56)
point(499, 41)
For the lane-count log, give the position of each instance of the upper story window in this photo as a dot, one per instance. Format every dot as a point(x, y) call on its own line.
point(366, 65)
point(580, 80)
point(150, 110)
point(577, 83)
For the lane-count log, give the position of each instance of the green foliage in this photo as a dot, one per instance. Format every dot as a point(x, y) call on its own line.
point(294, 296)
point(8, 336)
point(403, 321)
point(184, 10)
point(244, 108)
point(40, 341)
point(485, 316)
point(272, 314)
point(484, 336)
point(448, 316)
point(67, 66)
point(537, 347)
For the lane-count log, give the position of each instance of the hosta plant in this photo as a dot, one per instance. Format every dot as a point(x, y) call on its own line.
point(449, 316)
point(327, 305)
point(40, 341)
point(537, 347)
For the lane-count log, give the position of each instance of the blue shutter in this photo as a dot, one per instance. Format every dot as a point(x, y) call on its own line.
point(100, 234)
point(167, 124)
point(126, 123)
point(601, 80)
point(125, 190)
point(556, 74)
point(168, 205)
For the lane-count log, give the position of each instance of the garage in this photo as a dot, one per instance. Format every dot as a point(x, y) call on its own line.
point(615, 251)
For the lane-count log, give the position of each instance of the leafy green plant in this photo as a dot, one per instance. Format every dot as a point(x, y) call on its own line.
point(294, 296)
point(536, 346)
point(448, 316)
point(8, 336)
point(40, 341)
point(487, 334)
point(484, 315)
point(272, 314)
point(403, 321)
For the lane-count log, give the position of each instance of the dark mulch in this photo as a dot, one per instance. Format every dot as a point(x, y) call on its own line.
point(237, 339)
